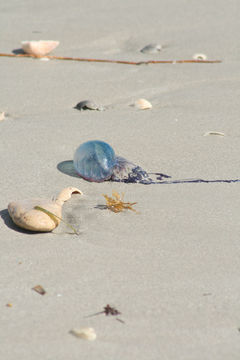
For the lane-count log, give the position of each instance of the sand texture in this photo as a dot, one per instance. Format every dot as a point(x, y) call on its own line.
point(173, 269)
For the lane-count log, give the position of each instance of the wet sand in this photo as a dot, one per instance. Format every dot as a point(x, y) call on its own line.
point(173, 269)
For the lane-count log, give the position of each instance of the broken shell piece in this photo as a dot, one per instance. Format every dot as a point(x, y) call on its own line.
point(142, 104)
point(151, 49)
point(88, 105)
point(214, 133)
point(24, 214)
point(200, 57)
point(39, 289)
point(2, 116)
point(44, 59)
point(84, 333)
point(39, 48)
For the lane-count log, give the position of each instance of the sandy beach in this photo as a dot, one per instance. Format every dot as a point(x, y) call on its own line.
point(173, 268)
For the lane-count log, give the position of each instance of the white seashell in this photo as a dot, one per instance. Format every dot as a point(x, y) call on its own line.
point(24, 214)
point(214, 133)
point(200, 57)
point(2, 116)
point(151, 49)
point(142, 104)
point(39, 48)
point(84, 333)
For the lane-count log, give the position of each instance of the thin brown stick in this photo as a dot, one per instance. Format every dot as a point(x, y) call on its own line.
point(117, 61)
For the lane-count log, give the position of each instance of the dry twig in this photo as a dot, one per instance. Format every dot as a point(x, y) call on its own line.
point(115, 61)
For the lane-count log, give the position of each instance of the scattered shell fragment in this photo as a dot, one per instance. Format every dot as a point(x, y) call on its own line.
point(25, 215)
point(84, 333)
point(199, 57)
point(151, 49)
point(88, 105)
point(39, 48)
point(44, 59)
point(218, 133)
point(142, 104)
point(2, 115)
point(39, 289)
point(9, 305)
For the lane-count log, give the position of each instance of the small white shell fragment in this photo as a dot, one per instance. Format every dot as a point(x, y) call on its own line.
point(24, 214)
point(199, 57)
point(142, 104)
point(151, 49)
point(218, 133)
point(87, 333)
point(39, 48)
point(44, 59)
point(2, 116)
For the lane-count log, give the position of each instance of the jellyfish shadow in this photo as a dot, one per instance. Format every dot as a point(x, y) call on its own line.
point(67, 168)
point(18, 51)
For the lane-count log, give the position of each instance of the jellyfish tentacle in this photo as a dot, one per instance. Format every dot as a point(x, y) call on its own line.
point(127, 172)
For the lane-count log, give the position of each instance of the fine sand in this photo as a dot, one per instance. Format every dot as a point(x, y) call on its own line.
point(173, 269)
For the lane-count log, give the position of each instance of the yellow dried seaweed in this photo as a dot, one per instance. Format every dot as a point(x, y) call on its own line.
point(116, 203)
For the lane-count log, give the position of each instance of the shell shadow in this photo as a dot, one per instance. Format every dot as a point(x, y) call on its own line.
point(18, 51)
point(66, 167)
point(10, 224)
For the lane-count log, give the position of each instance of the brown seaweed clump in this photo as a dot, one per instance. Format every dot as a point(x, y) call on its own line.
point(116, 203)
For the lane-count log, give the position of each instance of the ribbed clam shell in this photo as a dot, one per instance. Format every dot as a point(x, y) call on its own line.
point(142, 104)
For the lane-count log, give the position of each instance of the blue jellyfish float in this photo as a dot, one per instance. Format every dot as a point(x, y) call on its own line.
point(96, 161)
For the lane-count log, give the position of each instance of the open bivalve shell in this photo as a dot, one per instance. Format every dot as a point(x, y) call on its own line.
point(142, 104)
point(24, 214)
point(39, 48)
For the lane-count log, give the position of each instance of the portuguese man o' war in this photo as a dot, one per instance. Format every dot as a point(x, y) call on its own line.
point(96, 161)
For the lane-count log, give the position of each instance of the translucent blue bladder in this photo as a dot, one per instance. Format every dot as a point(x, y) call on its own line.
point(94, 161)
